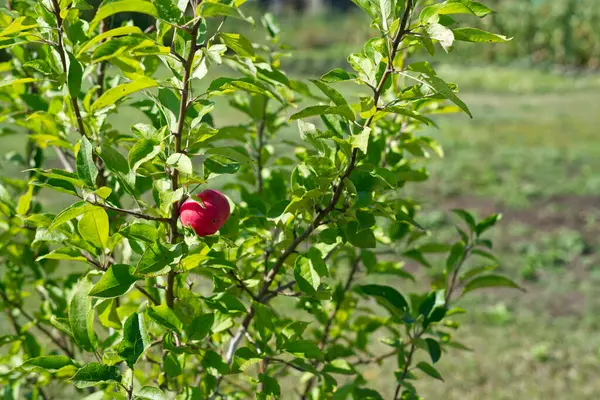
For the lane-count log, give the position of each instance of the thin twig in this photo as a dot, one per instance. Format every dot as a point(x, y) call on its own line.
point(94, 262)
point(375, 359)
point(260, 133)
point(129, 212)
point(63, 159)
point(148, 295)
point(242, 285)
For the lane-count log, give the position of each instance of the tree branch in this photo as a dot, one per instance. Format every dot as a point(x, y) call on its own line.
point(337, 193)
point(63, 59)
point(183, 106)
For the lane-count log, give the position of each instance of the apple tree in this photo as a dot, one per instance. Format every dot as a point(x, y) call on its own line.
point(188, 221)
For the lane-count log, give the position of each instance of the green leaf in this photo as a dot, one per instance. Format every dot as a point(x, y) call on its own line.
point(112, 95)
point(171, 365)
point(74, 210)
point(270, 386)
point(387, 295)
point(150, 393)
point(107, 314)
point(66, 253)
point(81, 315)
point(93, 227)
point(154, 259)
point(477, 271)
point(475, 35)
point(136, 6)
point(337, 75)
point(164, 316)
point(244, 358)
point(363, 239)
point(488, 281)
point(135, 339)
point(429, 370)
point(324, 110)
point(214, 363)
point(124, 30)
point(115, 282)
point(442, 34)
point(230, 153)
point(454, 7)
point(340, 366)
point(40, 66)
point(361, 141)
point(330, 92)
point(208, 10)
point(487, 223)
point(94, 373)
point(75, 76)
point(238, 43)
point(435, 351)
point(386, 176)
point(304, 349)
point(114, 161)
point(140, 231)
point(456, 253)
point(46, 363)
point(24, 203)
point(58, 174)
point(200, 326)
point(181, 162)
point(439, 85)
point(17, 26)
point(86, 167)
point(144, 150)
point(168, 11)
point(264, 321)
point(306, 276)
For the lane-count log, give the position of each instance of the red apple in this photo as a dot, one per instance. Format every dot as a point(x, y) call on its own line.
point(207, 218)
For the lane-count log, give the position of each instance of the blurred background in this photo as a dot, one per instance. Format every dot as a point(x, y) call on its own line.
point(532, 152)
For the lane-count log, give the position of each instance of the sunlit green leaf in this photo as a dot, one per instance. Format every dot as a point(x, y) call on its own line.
point(94, 228)
point(119, 6)
point(81, 315)
point(115, 282)
point(112, 95)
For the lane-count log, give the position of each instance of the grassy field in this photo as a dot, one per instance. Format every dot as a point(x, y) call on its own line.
point(532, 153)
